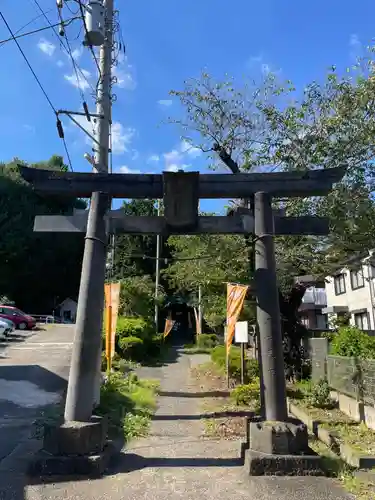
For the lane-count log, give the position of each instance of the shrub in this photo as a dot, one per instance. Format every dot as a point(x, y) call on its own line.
point(207, 340)
point(131, 347)
point(353, 342)
point(133, 327)
point(320, 395)
point(129, 403)
point(244, 395)
point(218, 356)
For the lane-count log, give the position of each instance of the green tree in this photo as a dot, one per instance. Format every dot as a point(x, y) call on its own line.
point(37, 270)
point(210, 262)
point(270, 125)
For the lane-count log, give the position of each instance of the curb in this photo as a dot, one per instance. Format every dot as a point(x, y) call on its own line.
point(342, 450)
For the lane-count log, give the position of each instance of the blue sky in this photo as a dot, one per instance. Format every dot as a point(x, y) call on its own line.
point(166, 43)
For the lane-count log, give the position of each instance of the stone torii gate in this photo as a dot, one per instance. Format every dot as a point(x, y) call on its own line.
point(181, 193)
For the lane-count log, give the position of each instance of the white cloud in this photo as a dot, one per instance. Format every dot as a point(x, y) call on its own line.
point(178, 158)
point(29, 128)
point(76, 53)
point(355, 47)
point(153, 159)
point(354, 40)
point(121, 138)
point(81, 82)
point(127, 170)
point(165, 102)
point(174, 160)
point(60, 63)
point(124, 72)
point(46, 47)
point(192, 151)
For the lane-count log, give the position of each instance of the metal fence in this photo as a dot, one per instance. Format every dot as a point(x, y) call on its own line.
point(351, 376)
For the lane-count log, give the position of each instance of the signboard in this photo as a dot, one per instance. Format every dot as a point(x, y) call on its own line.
point(241, 334)
point(112, 302)
point(235, 298)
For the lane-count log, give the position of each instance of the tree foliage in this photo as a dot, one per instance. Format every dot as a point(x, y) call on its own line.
point(37, 270)
point(269, 125)
point(209, 261)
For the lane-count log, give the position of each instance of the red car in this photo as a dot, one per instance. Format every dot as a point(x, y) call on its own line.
point(20, 319)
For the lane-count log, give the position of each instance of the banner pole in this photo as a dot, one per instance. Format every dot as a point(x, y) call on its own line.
point(109, 339)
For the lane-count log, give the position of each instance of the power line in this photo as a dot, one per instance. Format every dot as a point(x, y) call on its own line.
point(67, 49)
point(24, 26)
point(40, 86)
point(28, 63)
point(67, 154)
point(2, 42)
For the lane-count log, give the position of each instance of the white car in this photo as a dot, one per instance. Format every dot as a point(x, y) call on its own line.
point(2, 331)
point(8, 326)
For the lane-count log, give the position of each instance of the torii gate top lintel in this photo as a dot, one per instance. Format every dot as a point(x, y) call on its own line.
point(242, 185)
point(181, 192)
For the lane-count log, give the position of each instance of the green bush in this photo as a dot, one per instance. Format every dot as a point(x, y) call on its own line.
point(133, 327)
point(353, 342)
point(218, 356)
point(207, 340)
point(244, 395)
point(131, 347)
point(320, 395)
point(129, 404)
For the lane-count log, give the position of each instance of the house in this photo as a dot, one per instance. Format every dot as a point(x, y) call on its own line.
point(351, 292)
point(313, 303)
point(67, 311)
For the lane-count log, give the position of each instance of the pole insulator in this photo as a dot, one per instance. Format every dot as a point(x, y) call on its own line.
point(86, 110)
point(60, 129)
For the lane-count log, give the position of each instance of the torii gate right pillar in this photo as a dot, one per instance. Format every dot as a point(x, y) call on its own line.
point(268, 312)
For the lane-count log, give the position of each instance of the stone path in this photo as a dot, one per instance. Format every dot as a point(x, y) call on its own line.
point(175, 461)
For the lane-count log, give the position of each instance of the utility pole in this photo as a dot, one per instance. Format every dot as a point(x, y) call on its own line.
point(200, 308)
point(157, 272)
point(83, 375)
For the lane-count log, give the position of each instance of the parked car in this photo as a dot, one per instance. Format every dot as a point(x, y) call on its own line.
point(22, 320)
point(2, 331)
point(9, 326)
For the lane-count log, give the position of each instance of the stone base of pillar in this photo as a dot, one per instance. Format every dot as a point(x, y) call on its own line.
point(281, 449)
point(74, 449)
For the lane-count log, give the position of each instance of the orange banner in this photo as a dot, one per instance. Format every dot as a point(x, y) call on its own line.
point(169, 322)
point(112, 302)
point(235, 298)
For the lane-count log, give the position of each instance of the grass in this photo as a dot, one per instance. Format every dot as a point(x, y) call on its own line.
point(356, 435)
point(129, 403)
point(229, 419)
point(362, 488)
point(194, 349)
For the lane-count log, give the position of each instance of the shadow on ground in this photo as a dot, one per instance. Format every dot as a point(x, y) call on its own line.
point(169, 354)
point(28, 395)
point(195, 395)
point(203, 416)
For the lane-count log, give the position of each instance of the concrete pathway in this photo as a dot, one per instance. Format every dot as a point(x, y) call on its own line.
point(176, 461)
point(34, 367)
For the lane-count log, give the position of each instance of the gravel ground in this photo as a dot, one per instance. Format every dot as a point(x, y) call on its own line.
point(176, 461)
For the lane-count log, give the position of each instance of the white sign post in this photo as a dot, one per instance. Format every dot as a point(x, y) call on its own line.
point(241, 336)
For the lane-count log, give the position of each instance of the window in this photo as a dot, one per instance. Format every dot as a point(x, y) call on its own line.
point(361, 320)
point(339, 283)
point(357, 279)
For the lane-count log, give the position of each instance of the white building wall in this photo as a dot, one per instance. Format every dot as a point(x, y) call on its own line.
point(356, 299)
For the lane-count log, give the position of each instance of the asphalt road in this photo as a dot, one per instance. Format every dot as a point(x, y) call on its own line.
point(34, 368)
